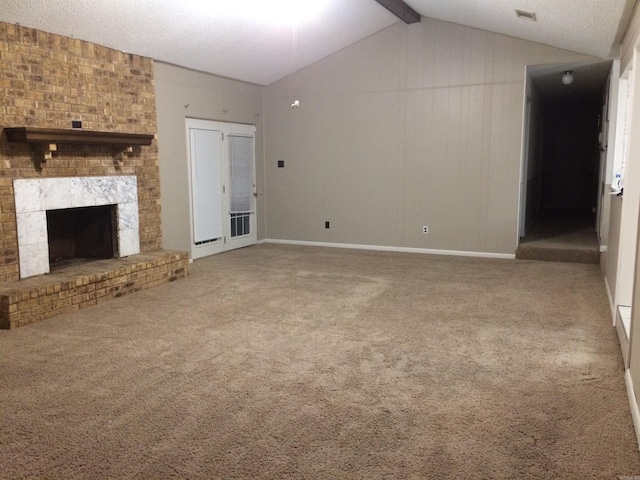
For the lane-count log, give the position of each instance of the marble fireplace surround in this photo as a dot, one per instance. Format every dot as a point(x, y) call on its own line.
point(33, 197)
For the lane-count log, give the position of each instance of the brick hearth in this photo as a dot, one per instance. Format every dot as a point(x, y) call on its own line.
point(49, 81)
point(79, 286)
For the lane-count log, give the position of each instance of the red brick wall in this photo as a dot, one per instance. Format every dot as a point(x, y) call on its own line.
point(48, 80)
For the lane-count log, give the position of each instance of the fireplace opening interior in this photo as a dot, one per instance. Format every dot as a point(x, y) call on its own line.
point(81, 234)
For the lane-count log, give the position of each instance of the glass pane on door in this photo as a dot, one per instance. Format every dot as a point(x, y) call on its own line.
point(241, 184)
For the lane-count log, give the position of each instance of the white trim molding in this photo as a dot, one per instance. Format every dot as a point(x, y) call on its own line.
point(381, 248)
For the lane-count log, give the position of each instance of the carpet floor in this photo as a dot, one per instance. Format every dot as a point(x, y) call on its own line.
point(311, 363)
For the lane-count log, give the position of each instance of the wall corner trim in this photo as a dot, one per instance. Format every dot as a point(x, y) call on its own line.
point(633, 403)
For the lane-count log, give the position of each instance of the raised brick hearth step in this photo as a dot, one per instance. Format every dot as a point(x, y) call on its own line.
point(82, 285)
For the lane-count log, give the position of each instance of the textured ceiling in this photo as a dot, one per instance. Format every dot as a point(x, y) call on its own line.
point(585, 26)
point(198, 35)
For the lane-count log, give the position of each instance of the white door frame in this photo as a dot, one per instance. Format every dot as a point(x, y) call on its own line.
point(524, 174)
point(225, 242)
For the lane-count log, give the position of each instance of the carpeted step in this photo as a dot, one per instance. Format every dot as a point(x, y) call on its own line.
point(532, 251)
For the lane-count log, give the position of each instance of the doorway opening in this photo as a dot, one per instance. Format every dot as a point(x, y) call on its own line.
point(565, 125)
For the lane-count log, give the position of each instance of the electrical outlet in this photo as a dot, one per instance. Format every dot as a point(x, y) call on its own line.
point(425, 229)
point(326, 224)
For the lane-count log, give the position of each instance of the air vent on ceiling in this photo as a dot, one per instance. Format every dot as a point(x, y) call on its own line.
point(526, 15)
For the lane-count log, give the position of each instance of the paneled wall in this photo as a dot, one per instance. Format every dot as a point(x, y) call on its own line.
point(417, 125)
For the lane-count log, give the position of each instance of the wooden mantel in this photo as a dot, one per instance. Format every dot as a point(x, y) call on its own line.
point(63, 135)
point(44, 141)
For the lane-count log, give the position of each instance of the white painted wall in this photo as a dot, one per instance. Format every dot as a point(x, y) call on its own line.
point(630, 205)
point(628, 265)
point(612, 143)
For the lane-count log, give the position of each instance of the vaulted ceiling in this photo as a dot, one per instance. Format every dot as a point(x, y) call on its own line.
point(261, 45)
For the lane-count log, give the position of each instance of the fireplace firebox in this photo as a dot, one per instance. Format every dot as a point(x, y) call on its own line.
point(81, 233)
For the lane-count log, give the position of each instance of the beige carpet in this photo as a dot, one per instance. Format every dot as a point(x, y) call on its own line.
point(297, 362)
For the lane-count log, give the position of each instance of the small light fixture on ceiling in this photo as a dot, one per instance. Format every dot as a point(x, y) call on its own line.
point(526, 15)
point(567, 78)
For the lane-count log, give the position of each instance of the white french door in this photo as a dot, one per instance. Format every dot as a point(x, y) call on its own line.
point(222, 174)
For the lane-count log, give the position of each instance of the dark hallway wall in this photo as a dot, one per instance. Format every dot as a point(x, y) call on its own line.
point(570, 156)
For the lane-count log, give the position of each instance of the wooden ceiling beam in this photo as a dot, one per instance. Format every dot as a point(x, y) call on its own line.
point(401, 10)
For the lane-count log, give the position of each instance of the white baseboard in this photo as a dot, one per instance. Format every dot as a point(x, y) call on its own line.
point(623, 319)
point(633, 403)
point(430, 251)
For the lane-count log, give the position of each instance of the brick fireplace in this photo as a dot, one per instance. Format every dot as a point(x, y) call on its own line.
point(58, 84)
